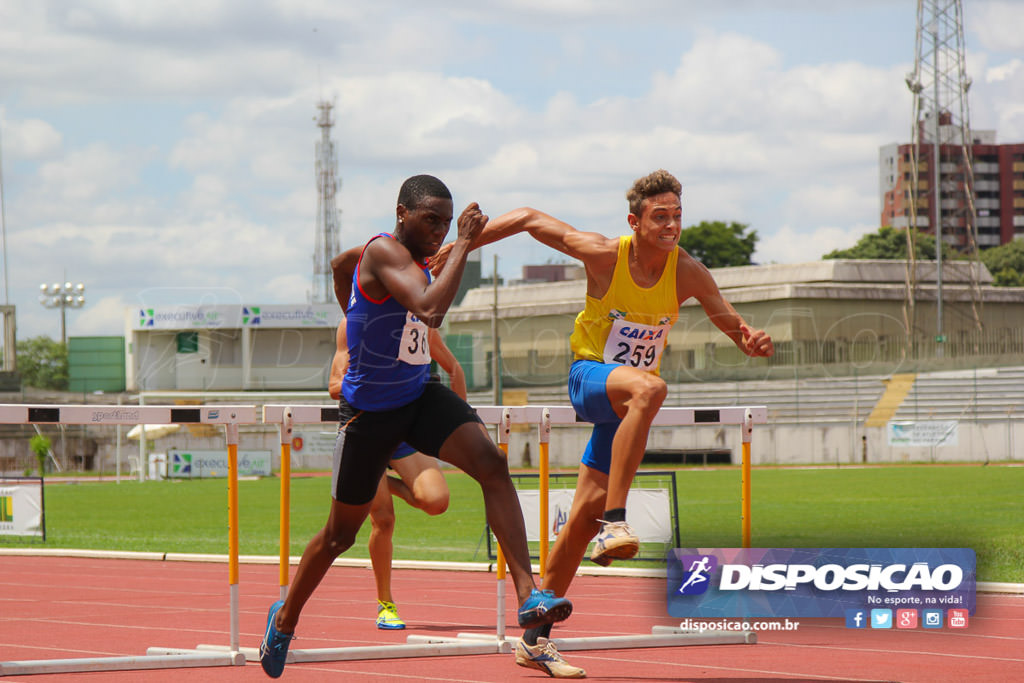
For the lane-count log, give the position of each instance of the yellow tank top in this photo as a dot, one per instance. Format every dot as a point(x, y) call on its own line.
point(629, 325)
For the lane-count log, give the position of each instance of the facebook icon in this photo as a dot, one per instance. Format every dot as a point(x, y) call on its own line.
point(856, 618)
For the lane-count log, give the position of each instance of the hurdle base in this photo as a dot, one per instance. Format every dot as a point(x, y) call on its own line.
point(679, 639)
point(750, 637)
point(660, 636)
point(163, 659)
point(416, 646)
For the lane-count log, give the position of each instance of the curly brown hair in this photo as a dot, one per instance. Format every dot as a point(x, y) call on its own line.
point(652, 184)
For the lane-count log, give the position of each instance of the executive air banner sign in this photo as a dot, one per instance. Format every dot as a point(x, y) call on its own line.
point(193, 464)
point(818, 582)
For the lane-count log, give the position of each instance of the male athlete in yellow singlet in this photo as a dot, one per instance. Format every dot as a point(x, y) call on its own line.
point(635, 285)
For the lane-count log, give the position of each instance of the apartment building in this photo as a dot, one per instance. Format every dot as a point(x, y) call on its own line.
point(998, 188)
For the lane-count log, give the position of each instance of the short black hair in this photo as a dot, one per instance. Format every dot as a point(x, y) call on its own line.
point(419, 187)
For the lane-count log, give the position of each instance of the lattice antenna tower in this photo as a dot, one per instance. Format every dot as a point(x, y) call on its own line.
point(326, 245)
point(941, 130)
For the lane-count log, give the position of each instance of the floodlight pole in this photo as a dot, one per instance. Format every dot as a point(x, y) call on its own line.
point(63, 297)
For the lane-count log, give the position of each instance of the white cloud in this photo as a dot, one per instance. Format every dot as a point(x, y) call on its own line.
point(997, 24)
point(99, 316)
point(89, 173)
point(30, 139)
point(788, 245)
point(1003, 73)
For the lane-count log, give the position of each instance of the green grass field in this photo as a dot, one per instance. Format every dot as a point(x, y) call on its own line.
point(914, 506)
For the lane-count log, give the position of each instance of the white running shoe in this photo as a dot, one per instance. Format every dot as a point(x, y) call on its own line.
point(545, 657)
point(616, 541)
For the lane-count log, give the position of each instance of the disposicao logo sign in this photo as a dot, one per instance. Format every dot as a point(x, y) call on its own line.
point(697, 575)
point(817, 582)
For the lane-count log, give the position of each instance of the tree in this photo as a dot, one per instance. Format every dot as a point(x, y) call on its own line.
point(717, 244)
point(40, 445)
point(43, 363)
point(889, 244)
point(1006, 263)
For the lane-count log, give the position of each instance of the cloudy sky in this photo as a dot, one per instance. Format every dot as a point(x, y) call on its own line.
point(163, 152)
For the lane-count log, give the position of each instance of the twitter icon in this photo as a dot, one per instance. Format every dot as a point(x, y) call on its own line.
point(881, 618)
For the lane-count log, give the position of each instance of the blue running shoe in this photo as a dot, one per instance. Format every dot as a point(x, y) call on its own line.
point(274, 648)
point(542, 607)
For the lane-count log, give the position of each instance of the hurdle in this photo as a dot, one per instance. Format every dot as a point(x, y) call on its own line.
point(155, 658)
point(285, 417)
point(660, 636)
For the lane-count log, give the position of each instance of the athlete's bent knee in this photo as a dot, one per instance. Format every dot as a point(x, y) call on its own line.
point(490, 463)
point(340, 541)
point(436, 505)
point(648, 393)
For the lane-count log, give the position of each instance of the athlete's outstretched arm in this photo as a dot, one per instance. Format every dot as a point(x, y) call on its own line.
point(557, 234)
point(694, 279)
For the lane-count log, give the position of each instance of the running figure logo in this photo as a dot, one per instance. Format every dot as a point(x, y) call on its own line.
point(697, 571)
point(561, 517)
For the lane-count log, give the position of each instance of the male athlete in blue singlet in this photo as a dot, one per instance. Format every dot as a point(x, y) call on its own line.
point(635, 285)
point(420, 482)
point(387, 399)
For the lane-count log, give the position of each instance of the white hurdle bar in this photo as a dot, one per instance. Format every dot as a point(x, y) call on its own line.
point(479, 643)
point(155, 658)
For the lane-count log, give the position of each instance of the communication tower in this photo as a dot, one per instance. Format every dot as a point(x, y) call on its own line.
point(326, 245)
point(942, 188)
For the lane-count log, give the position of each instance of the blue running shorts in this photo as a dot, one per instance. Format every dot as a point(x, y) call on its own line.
point(404, 450)
point(588, 392)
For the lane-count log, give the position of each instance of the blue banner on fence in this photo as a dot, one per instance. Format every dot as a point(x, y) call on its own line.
point(817, 582)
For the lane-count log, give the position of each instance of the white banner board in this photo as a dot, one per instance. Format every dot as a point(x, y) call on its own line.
point(227, 316)
point(192, 464)
point(935, 433)
point(648, 511)
point(317, 443)
point(21, 507)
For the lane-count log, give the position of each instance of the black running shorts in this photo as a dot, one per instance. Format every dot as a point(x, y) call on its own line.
point(367, 439)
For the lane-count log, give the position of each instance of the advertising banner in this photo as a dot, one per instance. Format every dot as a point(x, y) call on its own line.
point(936, 433)
point(21, 507)
point(649, 513)
point(223, 316)
point(314, 443)
point(193, 464)
point(819, 582)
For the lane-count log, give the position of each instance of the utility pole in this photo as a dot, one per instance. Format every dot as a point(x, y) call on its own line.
point(326, 244)
point(496, 344)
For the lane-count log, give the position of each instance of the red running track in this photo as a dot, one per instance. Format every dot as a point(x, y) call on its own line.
point(70, 607)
